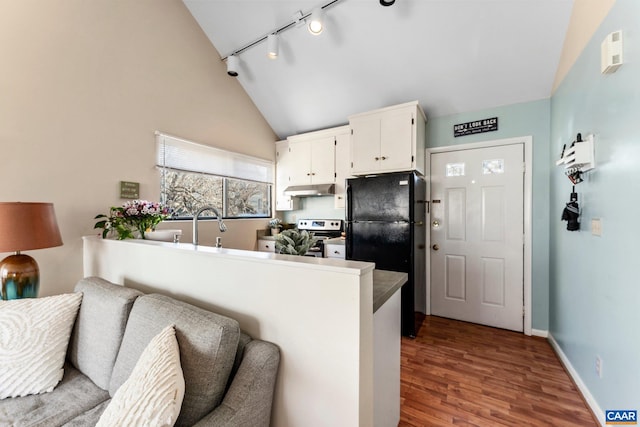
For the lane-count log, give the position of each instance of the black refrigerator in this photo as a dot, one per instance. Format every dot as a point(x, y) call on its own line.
point(385, 224)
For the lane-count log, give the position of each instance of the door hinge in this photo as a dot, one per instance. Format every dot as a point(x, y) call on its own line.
point(351, 131)
point(412, 120)
point(524, 167)
point(335, 174)
point(412, 159)
point(351, 165)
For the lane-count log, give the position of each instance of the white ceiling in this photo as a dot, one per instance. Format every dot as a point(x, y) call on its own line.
point(452, 56)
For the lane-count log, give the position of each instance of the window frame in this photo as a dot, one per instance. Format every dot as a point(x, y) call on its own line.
point(241, 164)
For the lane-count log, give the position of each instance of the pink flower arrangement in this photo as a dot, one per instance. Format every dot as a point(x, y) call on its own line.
point(133, 216)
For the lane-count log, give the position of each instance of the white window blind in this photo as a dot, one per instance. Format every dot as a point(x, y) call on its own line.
point(177, 153)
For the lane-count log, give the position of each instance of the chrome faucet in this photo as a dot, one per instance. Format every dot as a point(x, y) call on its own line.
point(221, 224)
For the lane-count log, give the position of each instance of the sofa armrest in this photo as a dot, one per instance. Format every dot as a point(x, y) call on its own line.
point(250, 396)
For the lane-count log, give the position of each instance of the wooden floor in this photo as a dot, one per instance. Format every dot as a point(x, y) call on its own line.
point(458, 373)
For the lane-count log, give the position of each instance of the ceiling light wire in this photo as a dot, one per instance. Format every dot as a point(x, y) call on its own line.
point(278, 30)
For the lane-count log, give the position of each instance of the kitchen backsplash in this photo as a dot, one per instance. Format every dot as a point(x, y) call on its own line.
point(314, 207)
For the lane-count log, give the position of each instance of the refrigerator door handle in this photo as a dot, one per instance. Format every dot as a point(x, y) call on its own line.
point(348, 202)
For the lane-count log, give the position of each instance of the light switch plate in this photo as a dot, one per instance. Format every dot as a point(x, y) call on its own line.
point(596, 227)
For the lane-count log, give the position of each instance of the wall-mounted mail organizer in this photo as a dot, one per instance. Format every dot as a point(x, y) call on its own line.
point(578, 158)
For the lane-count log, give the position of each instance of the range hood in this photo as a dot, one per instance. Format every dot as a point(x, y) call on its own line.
point(310, 190)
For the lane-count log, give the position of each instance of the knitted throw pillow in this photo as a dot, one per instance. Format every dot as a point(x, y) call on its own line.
point(34, 335)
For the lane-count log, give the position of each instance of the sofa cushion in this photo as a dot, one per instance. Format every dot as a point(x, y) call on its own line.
point(72, 397)
point(99, 328)
point(34, 336)
point(154, 391)
point(207, 341)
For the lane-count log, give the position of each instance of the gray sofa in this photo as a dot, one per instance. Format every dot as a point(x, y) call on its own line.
point(229, 378)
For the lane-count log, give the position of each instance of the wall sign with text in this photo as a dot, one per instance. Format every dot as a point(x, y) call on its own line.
point(477, 126)
point(129, 190)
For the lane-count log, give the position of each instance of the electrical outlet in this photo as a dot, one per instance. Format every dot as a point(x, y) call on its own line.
point(596, 227)
point(598, 366)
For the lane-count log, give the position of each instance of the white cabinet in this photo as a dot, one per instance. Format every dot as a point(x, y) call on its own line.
point(312, 159)
point(334, 251)
point(388, 140)
point(343, 169)
point(284, 162)
point(265, 245)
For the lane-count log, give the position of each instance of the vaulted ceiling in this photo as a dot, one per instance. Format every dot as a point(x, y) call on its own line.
point(451, 55)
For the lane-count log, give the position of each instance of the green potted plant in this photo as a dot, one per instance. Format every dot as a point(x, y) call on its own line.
point(294, 242)
point(275, 225)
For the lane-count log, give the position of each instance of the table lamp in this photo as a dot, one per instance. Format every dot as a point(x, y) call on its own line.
point(24, 226)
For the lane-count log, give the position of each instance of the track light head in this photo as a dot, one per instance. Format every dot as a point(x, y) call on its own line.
point(272, 46)
point(387, 2)
point(315, 22)
point(232, 66)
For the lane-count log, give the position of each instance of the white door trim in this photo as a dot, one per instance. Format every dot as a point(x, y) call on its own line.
point(528, 186)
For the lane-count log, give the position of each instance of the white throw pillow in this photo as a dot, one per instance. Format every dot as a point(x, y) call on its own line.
point(153, 393)
point(34, 336)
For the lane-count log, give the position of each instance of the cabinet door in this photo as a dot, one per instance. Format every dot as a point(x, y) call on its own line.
point(343, 169)
point(365, 144)
point(266, 245)
point(283, 171)
point(396, 141)
point(322, 157)
point(300, 163)
point(334, 251)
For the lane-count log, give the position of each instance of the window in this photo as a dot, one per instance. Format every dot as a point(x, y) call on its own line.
point(455, 169)
point(195, 175)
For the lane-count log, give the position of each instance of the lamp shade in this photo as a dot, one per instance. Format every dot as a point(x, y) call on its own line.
point(27, 226)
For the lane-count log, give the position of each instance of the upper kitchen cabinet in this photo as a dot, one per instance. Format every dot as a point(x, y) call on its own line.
point(284, 162)
point(390, 139)
point(343, 166)
point(312, 158)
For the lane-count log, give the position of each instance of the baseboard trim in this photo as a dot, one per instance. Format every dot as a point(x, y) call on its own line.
point(539, 333)
point(586, 394)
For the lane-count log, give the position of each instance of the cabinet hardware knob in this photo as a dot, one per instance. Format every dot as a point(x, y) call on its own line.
point(384, 158)
point(377, 158)
point(435, 247)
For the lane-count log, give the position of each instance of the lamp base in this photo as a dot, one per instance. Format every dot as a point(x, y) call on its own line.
point(20, 277)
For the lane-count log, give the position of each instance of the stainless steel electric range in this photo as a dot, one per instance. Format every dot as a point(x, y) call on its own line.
point(322, 230)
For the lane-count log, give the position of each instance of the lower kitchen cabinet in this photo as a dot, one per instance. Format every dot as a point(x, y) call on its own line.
point(334, 251)
point(265, 245)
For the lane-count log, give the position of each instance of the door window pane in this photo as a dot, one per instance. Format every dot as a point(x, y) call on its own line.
point(492, 166)
point(455, 169)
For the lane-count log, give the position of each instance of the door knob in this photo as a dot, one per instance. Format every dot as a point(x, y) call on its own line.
point(435, 247)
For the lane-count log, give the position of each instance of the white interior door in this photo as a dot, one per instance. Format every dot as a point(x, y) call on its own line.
point(477, 229)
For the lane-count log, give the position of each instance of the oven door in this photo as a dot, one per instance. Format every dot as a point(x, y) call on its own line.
point(316, 250)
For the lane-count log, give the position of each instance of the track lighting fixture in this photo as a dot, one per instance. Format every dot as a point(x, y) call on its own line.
point(272, 46)
point(232, 65)
point(315, 23)
point(387, 2)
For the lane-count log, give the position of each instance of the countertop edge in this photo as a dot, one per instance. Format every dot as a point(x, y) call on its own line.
point(385, 284)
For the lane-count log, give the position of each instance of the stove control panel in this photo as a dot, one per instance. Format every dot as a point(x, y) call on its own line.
point(320, 224)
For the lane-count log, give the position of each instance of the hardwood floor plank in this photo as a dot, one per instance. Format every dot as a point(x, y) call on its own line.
point(458, 373)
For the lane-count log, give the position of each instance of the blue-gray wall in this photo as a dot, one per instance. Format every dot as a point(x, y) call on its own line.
point(594, 299)
point(526, 119)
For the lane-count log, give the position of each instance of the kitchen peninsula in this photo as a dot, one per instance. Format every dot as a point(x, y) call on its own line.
point(340, 361)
